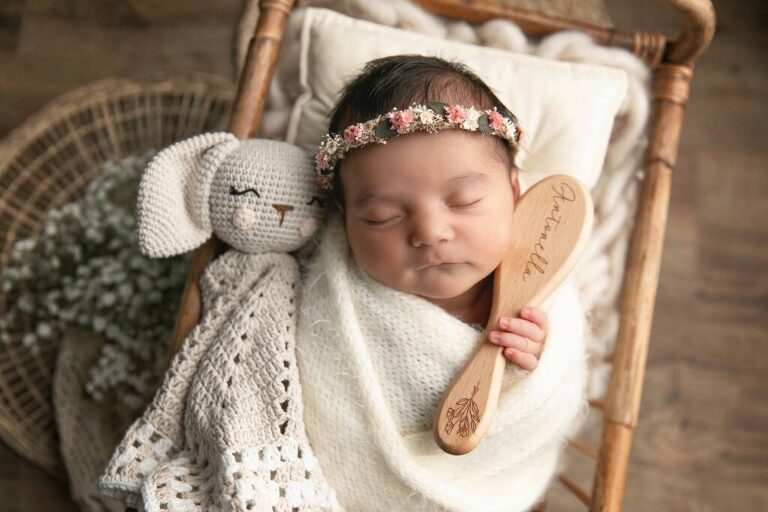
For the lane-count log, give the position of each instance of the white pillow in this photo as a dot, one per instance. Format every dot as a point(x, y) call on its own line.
point(566, 109)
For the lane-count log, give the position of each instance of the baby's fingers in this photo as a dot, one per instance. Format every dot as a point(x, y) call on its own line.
point(517, 342)
point(535, 315)
point(522, 327)
point(524, 360)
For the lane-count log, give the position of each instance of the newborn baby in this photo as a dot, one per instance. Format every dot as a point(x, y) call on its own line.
point(439, 230)
point(420, 162)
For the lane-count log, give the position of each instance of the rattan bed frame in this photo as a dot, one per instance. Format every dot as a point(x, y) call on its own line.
point(672, 62)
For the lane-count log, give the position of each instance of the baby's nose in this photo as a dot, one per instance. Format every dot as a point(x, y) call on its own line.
point(430, 231)
point(282, 208)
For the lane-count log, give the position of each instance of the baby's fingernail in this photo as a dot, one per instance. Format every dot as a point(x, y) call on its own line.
point(495, 336)
point(504, 323)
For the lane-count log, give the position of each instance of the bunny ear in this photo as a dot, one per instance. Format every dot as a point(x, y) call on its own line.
point(172, 214)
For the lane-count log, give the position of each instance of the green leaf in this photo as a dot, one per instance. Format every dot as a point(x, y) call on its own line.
point(384, 129)
point(437, 107)
point(483, 125)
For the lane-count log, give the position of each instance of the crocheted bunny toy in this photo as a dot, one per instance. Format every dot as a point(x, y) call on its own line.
point(256, 195)
point(225, 430)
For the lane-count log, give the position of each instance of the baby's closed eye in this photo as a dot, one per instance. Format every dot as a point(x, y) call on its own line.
point(465, 202)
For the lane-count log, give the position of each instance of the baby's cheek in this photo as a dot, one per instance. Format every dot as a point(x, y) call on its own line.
point(492, 239)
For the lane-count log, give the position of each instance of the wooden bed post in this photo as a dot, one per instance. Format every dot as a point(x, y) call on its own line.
point(671, 88)
point(244, 123)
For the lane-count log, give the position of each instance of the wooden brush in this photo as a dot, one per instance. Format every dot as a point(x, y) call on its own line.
point(550, 224)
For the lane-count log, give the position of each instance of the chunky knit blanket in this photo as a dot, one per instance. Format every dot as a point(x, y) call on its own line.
point(375, 363)
point(225, 430)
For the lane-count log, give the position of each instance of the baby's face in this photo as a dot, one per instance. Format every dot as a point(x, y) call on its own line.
point(429, 214)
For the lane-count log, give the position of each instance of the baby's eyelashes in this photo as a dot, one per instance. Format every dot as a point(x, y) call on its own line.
point(467, 205)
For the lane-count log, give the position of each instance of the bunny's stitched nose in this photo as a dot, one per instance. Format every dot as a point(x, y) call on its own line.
point(282, 208)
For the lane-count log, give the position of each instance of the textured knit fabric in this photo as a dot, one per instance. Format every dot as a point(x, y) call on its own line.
point(375, 362)
point(225, 431)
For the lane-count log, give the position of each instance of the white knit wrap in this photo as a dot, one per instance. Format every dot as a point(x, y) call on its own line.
point(375, 362)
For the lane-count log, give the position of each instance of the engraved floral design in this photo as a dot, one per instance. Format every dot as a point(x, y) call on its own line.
point(467, 415)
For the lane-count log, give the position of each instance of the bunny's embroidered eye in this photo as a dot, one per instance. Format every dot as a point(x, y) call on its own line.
point(233, 191)
point(317, 200)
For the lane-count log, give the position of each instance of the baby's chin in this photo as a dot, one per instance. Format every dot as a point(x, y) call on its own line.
point(443, 285)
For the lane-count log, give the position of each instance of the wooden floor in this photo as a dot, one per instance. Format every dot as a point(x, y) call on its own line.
point(702, 441)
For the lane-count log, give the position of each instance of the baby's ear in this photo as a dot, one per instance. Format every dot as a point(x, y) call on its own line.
point(172, 213)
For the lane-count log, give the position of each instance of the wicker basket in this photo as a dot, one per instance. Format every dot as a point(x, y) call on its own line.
point(45, 163)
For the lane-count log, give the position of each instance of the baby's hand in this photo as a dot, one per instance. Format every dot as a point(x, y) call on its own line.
point(523, 338)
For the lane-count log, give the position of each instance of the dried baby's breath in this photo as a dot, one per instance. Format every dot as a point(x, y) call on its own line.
point(85, 270)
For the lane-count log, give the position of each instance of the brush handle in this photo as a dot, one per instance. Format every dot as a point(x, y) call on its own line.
point(551, 224)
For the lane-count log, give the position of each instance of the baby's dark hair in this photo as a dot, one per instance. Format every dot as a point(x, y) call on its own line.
point(401, 80)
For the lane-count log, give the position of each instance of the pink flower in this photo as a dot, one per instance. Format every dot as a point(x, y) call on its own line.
point(353, 133)
point(495, 120)
point(400, 120)
point(323, 182)
point(456, 114)
point(319, 160)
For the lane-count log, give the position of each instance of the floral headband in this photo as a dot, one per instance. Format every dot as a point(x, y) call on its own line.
point(429, 117)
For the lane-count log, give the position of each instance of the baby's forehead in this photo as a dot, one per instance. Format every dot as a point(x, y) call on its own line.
point(448, 148)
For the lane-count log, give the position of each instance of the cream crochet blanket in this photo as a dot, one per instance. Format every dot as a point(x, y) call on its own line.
point(225, 430)
point(374, 363)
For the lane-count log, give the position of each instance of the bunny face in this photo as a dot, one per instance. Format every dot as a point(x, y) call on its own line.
point(257, 195)
point(263, 197)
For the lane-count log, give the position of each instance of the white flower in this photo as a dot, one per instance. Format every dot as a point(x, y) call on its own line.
point(108, 299)
point(427, 117)
point(99, 324)
point(471, 121)
point(125, 290)
point(28, 340)
point(26, 304)
point(44, 330)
